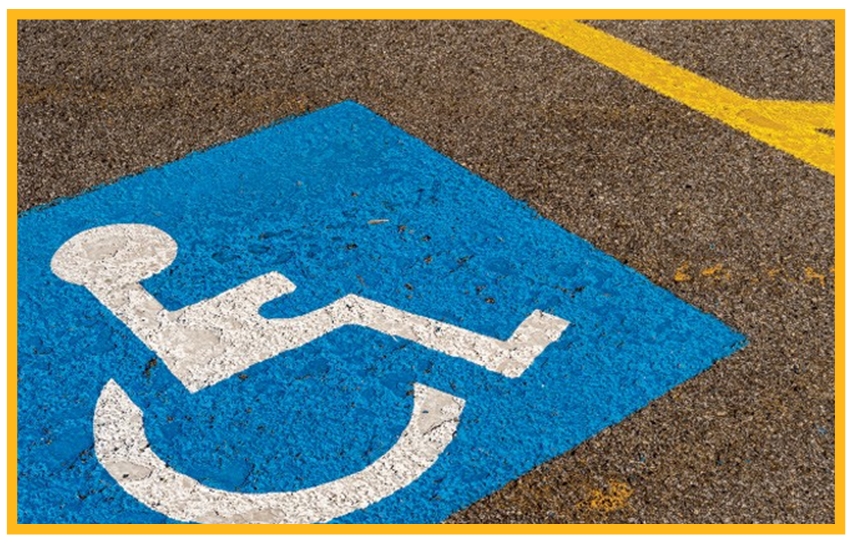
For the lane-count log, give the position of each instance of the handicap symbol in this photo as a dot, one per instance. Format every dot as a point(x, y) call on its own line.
point(210, 341)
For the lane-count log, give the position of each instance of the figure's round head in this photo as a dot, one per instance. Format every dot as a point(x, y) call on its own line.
point(117, 254)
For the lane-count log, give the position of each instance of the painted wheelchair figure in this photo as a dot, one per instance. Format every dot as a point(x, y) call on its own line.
point(209, 341)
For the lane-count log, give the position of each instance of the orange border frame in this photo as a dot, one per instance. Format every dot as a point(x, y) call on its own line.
point(838, 527)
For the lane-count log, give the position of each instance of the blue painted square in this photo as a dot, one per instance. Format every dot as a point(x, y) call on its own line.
point(298, 198)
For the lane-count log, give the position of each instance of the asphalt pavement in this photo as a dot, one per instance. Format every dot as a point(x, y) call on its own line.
point(735, 227)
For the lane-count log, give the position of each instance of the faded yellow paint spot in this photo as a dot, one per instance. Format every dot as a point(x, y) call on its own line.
point(716, 272)
point(810, 274)
point(613, 497)
point(712, 271)
point(682, 273)
point(792, 127)
point(773, 273)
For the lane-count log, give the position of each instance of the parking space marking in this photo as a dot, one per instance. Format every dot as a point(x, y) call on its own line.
point(798, 128)
point(233, 337)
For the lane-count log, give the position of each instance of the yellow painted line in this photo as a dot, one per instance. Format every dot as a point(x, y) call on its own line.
point(792, 127)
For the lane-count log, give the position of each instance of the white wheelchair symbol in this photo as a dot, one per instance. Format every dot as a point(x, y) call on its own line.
point(208, 342)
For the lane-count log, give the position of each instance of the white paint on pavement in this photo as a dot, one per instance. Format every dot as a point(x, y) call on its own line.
point(212, 340)
point(123, 449)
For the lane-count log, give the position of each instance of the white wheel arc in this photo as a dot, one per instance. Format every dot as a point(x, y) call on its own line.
point(124, 451)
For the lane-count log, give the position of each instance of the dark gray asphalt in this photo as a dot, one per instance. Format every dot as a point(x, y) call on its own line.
point(647, 180)
point(784, 60)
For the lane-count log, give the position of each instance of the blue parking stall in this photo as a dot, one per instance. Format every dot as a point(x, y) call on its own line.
point(345, 207)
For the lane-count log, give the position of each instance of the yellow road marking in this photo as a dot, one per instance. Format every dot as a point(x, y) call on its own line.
point(790, 126)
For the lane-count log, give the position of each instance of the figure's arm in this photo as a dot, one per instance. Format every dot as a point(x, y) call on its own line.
point(252, 294)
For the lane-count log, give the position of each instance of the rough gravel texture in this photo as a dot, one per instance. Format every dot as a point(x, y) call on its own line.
point(747, 231)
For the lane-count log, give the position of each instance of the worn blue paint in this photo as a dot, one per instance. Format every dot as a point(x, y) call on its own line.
point(297, 198)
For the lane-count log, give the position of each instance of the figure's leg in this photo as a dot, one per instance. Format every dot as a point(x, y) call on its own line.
point(510, 358)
